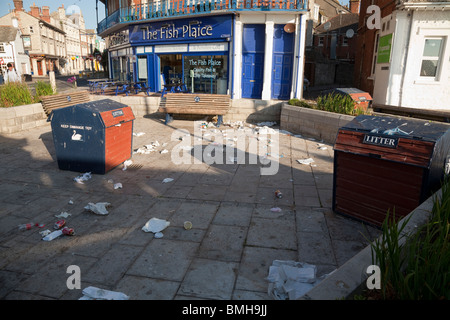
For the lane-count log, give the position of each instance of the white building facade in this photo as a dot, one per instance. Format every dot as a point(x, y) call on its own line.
point(412, 51)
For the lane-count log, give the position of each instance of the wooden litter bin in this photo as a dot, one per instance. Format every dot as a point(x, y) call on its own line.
point(386, 164)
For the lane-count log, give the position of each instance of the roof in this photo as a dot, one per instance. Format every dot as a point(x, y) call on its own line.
point(7, 33)
point(338, 21)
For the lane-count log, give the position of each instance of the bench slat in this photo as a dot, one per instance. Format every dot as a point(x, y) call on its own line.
point(53, 102)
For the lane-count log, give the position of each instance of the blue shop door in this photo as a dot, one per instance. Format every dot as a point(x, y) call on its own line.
point(253, 60)
point(282, 63)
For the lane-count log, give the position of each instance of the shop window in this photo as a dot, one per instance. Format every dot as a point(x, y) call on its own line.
point(206, 73)
point(431, 57)
point(142, 68)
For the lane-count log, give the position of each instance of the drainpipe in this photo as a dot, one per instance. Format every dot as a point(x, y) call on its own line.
point(405, 60)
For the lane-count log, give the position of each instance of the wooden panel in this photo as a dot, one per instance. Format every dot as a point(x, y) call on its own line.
point(118, 144)
point(208, 104)
point(367, 188)
point(408, 150)
point(50, 103)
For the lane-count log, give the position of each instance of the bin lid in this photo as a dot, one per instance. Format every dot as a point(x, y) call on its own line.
point(355, 93)
point(111, 112)
point(399, 127)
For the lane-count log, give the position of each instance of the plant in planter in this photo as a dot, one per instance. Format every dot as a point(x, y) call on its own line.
point(418, 269)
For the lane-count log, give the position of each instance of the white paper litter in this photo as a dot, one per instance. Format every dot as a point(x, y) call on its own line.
point(306, 161)
point(93, 293)
point(117, 185)
point(98, 208)
point(289, 280)
point(127, 163)
point(138, 134)
point(63, 215)
point(84, 177)
point(167, 180)
point(155, 225)
point(276, 209)
point(266, 123)
point(164, 151)
point(53, 235)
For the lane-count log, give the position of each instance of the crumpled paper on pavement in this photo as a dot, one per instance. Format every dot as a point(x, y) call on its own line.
point(155, 225)
point(93, 293)
point(98, 208)
point(289, 280)
point(84, 177)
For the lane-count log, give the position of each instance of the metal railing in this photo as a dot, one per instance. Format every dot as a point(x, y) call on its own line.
point(170, 8)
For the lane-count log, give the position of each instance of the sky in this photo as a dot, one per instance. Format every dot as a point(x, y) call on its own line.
point(87, 8)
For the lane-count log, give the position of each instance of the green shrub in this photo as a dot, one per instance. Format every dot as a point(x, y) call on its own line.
point(15, 94)
point(418, 269)
point(43, 89)
point(336, 103)
point(300, 103)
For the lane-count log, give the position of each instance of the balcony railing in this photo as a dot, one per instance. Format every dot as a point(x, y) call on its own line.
point(171, 8)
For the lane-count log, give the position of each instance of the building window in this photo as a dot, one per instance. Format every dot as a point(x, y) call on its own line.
point(2, 47)
point(431, 57)
point(344, 41)
point(31, 29)
point(321, 41)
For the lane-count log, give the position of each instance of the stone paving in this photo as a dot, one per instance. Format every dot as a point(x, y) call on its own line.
point(226, 255)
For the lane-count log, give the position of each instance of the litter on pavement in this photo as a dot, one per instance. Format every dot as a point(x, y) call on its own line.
point(98, 208)
point(289, 280)
point(94, 293)
point(155, 225)
point(306, 161)
point(84, 177)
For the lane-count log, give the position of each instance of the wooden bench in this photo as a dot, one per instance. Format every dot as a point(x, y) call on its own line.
point(64, 100)
point(196, 103)
point(435, 115)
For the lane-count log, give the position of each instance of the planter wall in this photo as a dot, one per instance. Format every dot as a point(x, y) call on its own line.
point(15, 119)
point(318, 124)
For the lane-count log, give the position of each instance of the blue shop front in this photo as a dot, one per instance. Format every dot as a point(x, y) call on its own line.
point(193, 52)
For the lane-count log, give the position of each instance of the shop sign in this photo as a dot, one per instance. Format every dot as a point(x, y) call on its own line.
point(117, 39)
point(213, 27)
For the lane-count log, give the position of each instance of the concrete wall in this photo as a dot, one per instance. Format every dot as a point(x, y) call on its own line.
point(314, 123)
point(20, 118)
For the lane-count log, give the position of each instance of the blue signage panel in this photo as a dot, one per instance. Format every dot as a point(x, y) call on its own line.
point(199, 28)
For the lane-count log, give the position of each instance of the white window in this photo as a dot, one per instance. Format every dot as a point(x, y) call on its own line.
point(431, 57)
point(321, 41)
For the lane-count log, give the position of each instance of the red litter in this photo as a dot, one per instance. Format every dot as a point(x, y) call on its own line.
point(59, 224)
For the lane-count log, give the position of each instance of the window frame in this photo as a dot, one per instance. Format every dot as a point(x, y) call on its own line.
point(438, 58)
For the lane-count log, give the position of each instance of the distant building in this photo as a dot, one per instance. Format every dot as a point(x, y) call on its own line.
point(42, 39)
point(12, 49)
point(406, 62)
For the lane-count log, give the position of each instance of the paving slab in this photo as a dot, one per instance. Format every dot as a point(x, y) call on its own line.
point(237, 228)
